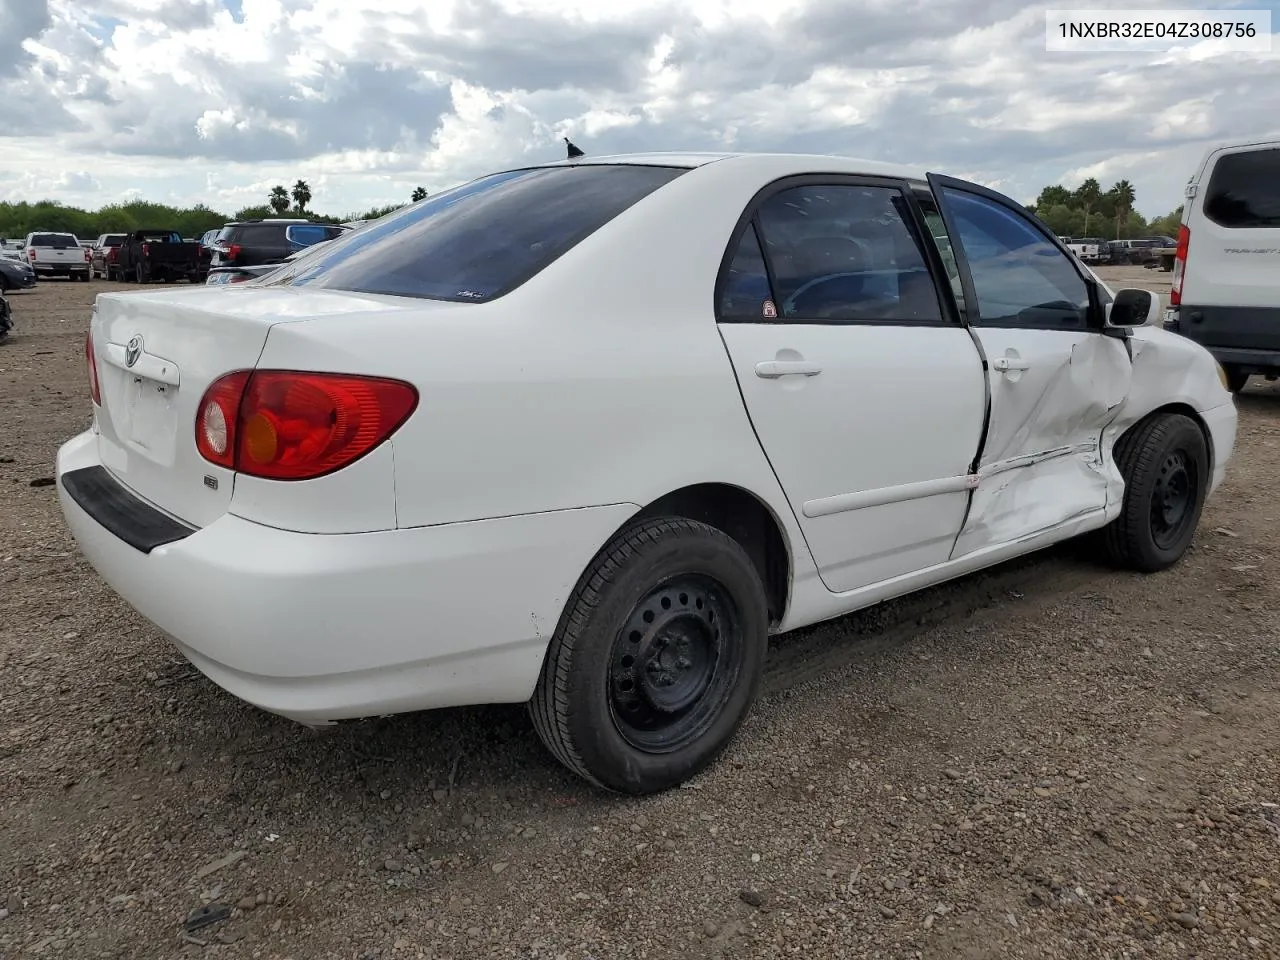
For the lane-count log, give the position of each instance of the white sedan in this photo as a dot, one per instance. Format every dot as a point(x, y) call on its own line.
point(584, 435)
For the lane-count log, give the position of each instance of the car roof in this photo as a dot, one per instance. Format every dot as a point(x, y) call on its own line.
point(774, 164)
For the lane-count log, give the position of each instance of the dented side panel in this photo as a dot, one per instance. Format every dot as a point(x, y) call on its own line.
point(1042, 461)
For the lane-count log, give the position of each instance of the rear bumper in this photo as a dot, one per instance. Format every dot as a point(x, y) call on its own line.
point(328, 627)
point(1223, 331)
point(1257, 360)
point(60, 269)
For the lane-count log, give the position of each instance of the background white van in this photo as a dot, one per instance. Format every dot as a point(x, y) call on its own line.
point(1226, 276)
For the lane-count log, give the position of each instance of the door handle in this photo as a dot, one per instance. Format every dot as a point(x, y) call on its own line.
point(1010, 363)
point(773, 369)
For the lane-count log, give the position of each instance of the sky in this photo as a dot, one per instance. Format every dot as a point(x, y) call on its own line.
point(215, 101)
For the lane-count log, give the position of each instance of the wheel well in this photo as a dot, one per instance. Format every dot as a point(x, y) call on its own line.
point(1187, 411)
point(744, 518)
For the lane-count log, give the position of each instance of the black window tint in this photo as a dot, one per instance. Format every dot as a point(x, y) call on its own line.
point(58, 241)
point(1244, 190)
point(259, 233)
point(483, 239)
point(1020, 278)
point(846, 253)
point(745, 293)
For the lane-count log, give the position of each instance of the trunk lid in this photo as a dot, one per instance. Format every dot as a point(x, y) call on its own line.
point(157, 353)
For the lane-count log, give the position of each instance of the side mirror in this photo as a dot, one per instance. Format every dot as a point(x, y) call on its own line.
point(1133, 308)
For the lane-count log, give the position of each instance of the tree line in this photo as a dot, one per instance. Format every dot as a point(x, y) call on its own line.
point(1089, 211)
point(19, 219)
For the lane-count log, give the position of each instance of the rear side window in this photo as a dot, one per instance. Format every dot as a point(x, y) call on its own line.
point(846, 254)
point(1244, 190)
point(250, 234)
point(305, 234)
point(483, 239)
point(59, 241)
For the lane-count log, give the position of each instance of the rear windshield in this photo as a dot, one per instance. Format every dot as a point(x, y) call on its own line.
point(113, 240)
point(160, 236)
point(483, 239)
point(1244, 190)
point(59, 241)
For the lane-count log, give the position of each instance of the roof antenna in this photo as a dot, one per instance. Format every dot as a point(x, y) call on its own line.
point(574, 152)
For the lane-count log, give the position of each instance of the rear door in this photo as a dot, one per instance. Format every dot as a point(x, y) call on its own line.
point(864, 389)
point(1056, 380)
point(1230, 282)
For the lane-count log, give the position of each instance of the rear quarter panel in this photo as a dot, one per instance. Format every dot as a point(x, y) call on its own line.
point(603, 380)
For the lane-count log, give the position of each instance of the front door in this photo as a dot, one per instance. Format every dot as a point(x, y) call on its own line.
point(1055, 378)
point(863, 387)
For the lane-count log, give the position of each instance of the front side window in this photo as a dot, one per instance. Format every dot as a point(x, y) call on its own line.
point(845, 253)
point(1020, 278)
point(1244, 190)
point(483, 239)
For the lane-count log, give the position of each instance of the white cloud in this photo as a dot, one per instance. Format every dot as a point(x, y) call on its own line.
point(368, 98)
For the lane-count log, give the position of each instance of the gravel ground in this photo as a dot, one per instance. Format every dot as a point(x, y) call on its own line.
point(1047, 760)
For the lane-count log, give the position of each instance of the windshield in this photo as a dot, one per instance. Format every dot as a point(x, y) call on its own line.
point(481, 240)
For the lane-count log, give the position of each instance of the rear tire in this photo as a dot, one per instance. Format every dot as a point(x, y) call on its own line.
point(656, 659)
point(1237, 379)
point(1165, 464)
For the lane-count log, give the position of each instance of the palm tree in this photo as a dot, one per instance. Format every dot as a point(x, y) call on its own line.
point(301, 195)
point(419, 193)
point(1087, 196)
point(279, 199)
point(1123, 193)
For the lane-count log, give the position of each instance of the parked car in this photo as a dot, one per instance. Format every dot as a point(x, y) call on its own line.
point(1226, 273)
point(15, 275)
point(206, 251)
point(584, 435)
point(102, 256)
point(147, 255)
point(251, 243)
point(219, 276)
point(57, 255)
point(1089, 250)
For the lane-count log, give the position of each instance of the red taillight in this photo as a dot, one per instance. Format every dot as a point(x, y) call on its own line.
point(88, 255)
point(146, 249)
point(1179, 264)
point(31, 253)
point(95, 390)
point(292, 425)
point(217, 419)
point(111, 253)
point(231, 251)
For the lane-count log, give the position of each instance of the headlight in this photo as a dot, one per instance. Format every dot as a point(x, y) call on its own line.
point(1222, 375)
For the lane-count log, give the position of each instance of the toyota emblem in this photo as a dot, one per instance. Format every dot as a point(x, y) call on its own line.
point(132, 350)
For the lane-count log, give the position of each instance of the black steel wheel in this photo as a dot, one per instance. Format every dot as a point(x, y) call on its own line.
point(1165, 463)
point(656, 659)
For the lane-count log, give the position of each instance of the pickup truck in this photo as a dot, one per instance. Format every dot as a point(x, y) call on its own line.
point(147, 255)
point(1089, 250)
point(57, 255)
point(102, 255)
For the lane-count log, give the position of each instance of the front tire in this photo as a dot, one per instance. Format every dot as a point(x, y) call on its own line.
point(657, 657)
point(1165, 464)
